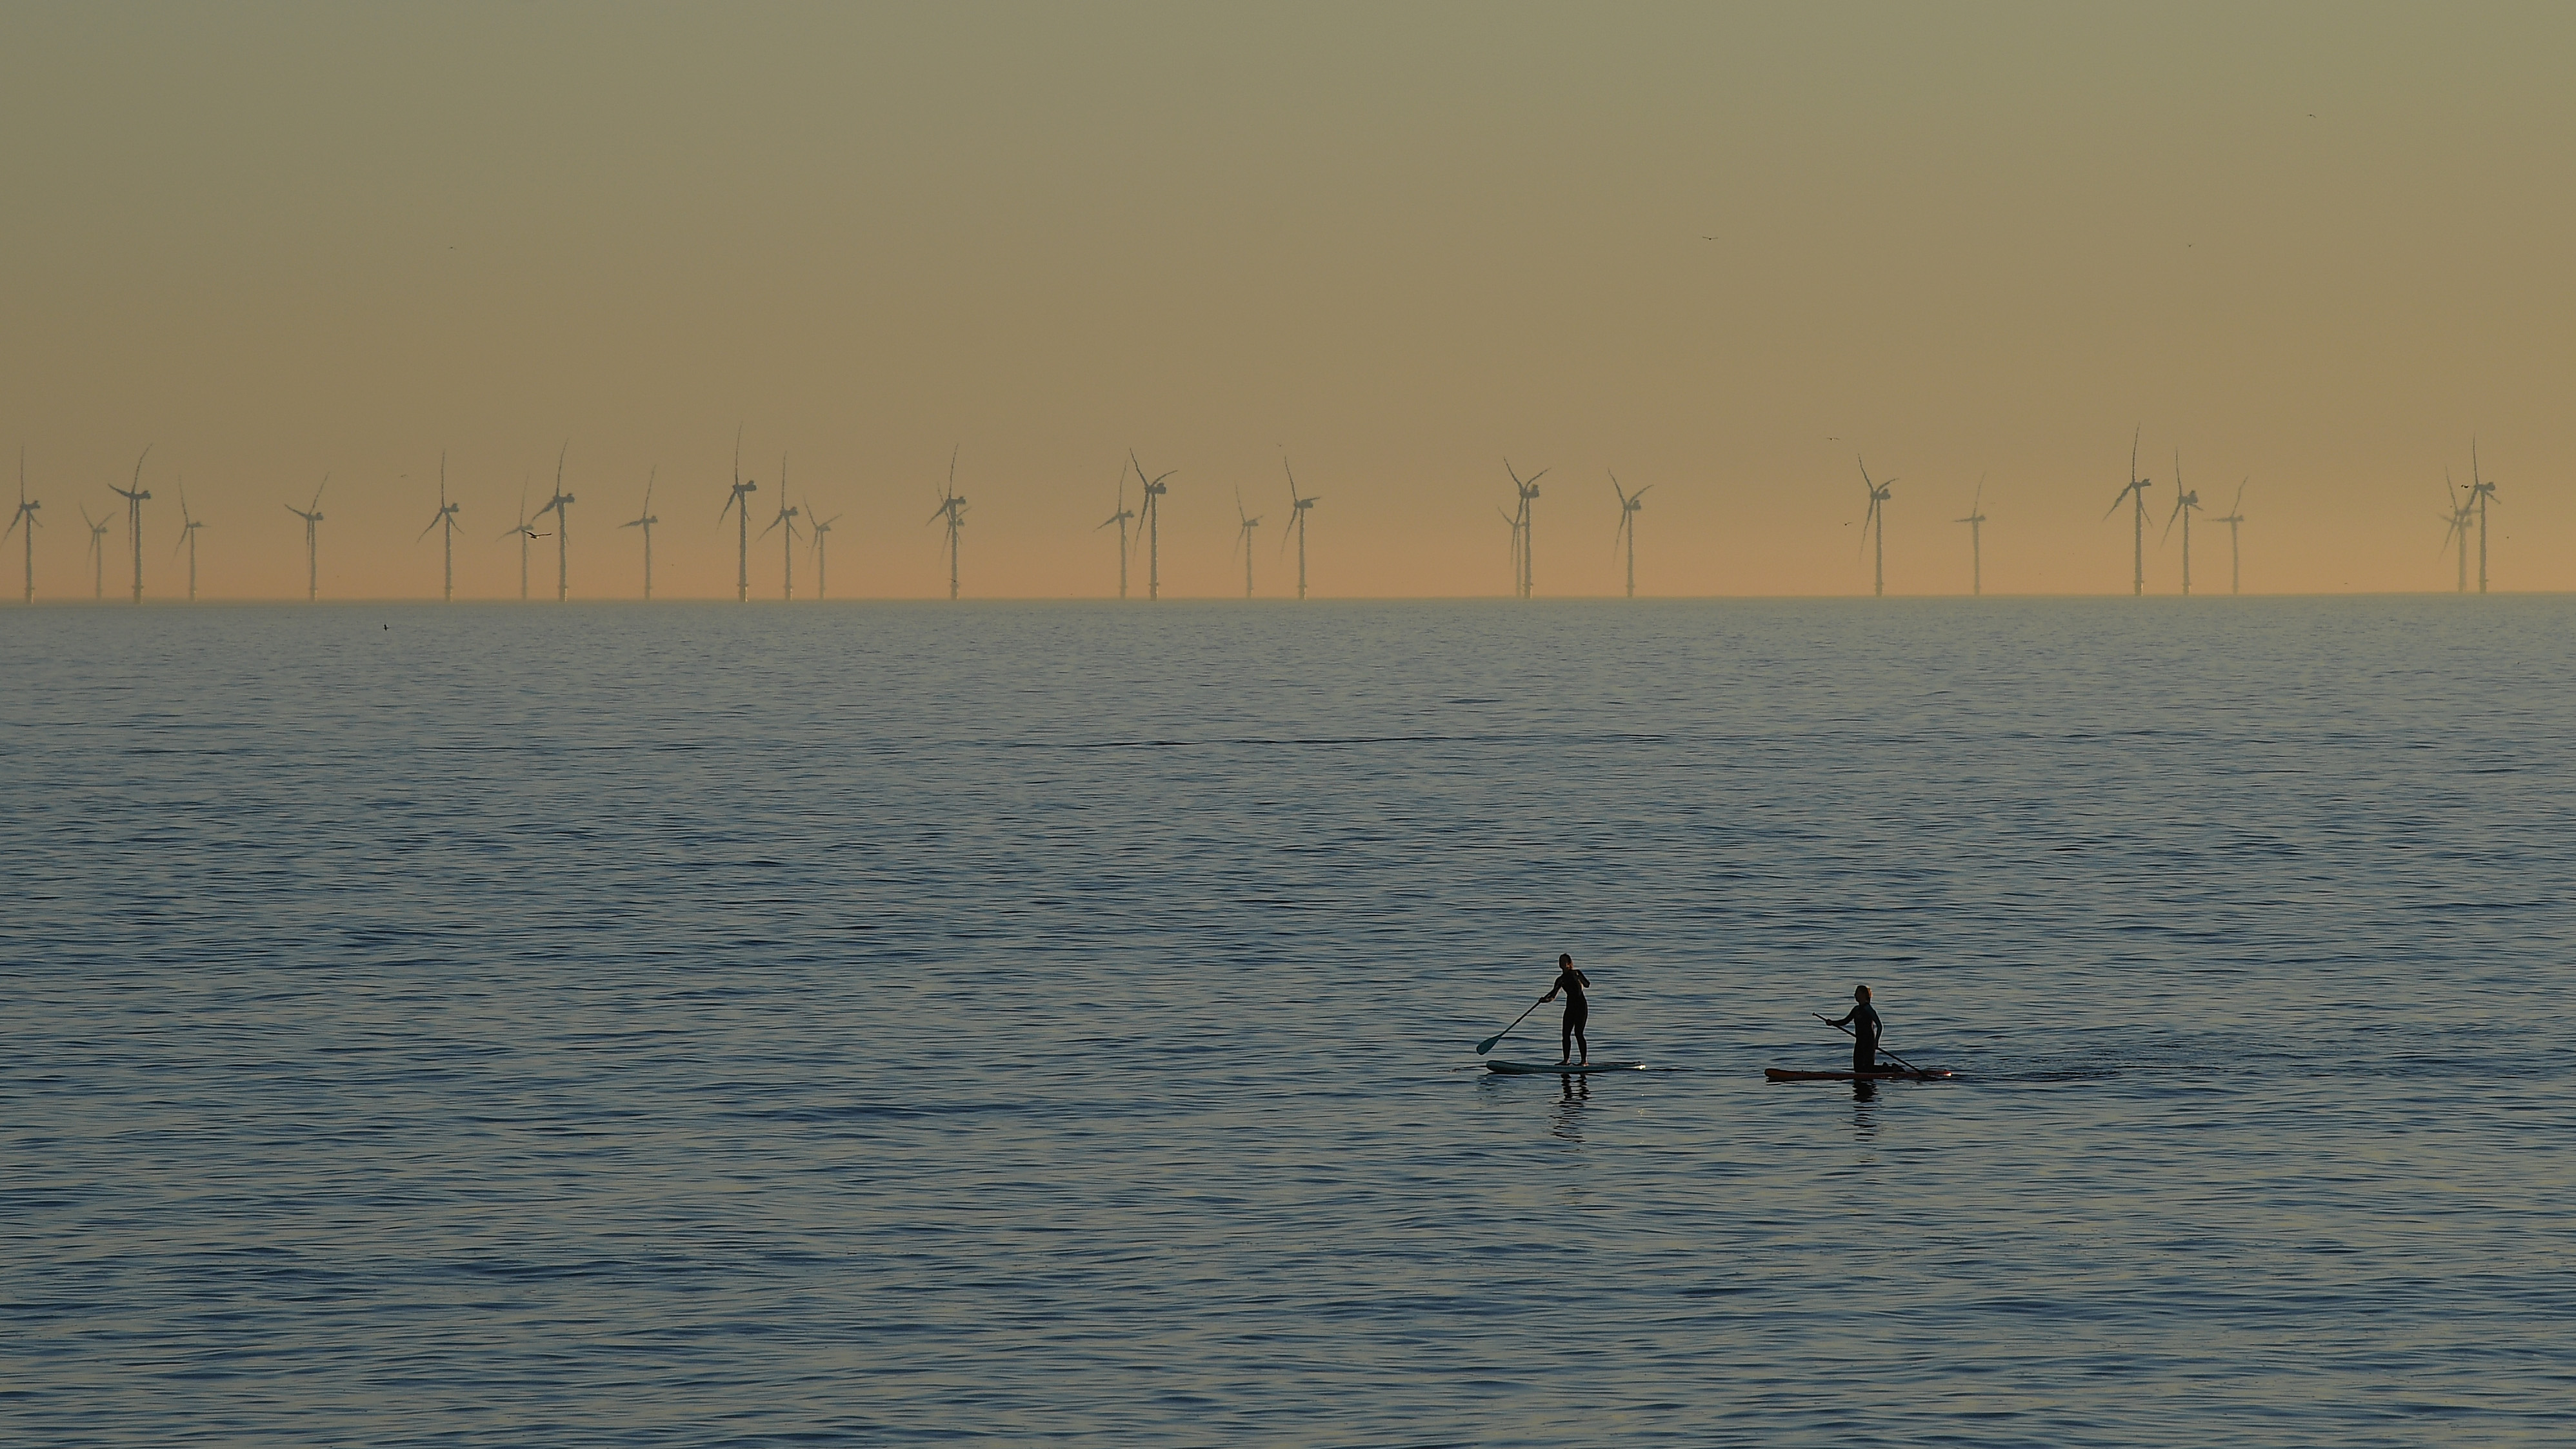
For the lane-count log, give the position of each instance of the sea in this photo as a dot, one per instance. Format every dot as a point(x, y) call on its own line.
point(1055, 1024)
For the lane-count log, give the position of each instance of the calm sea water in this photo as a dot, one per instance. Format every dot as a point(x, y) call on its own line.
point(708, 1025)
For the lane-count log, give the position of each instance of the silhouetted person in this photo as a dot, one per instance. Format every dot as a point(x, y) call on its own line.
point(1863, 1021)
point(1570, 1035)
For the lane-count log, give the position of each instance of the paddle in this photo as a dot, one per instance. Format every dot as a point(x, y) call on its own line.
point(1487, 1044)
point(1882, 1051)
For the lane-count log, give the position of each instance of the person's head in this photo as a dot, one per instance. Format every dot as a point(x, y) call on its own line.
point(1564, 962)
point(1860, 993)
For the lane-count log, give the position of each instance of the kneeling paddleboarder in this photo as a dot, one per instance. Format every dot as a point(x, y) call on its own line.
point(1569, 1036)
point(1863, 1021)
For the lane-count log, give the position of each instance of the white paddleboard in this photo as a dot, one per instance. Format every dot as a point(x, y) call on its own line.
point(1568, 1069)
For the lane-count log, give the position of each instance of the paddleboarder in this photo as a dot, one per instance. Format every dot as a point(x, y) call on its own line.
point(1570, 1035)
point(1863, 1021)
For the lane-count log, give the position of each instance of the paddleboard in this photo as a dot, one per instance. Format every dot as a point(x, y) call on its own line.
point(1569, 1069)
point(1784, 1074)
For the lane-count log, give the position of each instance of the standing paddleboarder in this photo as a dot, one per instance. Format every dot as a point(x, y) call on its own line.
point(1577, 1010)
point(1863, 1021)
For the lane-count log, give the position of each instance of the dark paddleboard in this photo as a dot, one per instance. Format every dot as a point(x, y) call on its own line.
point(1784, 1074)
point(1535, 1069)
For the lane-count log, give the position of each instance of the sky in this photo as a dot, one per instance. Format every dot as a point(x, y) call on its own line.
point(1728, 254)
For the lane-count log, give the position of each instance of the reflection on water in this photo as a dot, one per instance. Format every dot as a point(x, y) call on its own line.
point(1865, 1108)
point(1568, 1112)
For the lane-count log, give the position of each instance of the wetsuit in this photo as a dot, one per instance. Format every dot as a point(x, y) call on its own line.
point(1863, 1021)
point(1577, 1010)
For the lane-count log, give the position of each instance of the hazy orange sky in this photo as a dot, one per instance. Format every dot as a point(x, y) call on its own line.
point(1717, 251)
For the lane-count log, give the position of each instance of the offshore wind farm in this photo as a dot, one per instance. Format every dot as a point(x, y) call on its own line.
point(1696, 331)
point(796, 524)
point(888, 951)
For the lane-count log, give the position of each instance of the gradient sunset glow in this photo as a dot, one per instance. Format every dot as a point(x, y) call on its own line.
point(1723, 254)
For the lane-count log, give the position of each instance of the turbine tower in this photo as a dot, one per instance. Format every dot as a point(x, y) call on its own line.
point(1877, 515)
point(560, 506)
point(1297, 520)
point(1243, 537)
point(646, 523)
point(523, 533)
point(445, 518)
point(311, 514)
point(135, 497)
point(2137, 492)
point(1976, 522)
point(2235, 516)
point(2480, 491)
point(1528, 489)
point(1512, 521)
point(1153, 512)
point(786, 544)
point(817, 526)
point(2458, 517)
point(2184, 503)
point(98, 528)
point(1120, 518)
point(735, 505)
point(188, 526)
point(26, 514)
point(1628, 506)
point(952, 506)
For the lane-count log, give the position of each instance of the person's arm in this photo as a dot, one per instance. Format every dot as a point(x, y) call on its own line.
point(1551, 992)
point(1845, 1018)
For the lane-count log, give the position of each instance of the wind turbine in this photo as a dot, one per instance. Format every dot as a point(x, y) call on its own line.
point(952, 506)
point(742, 524)
point(1528, 488)
point(188, 526)
point(2480, 491)
point(2184, 503)
point(817, 527)
point(560, 506)
point(312, 514)
point(523, 533)
point(135, 497)
point(1297, 520)
point(1512, 520)
point(1877, 514)
point(98, 528)
point(1628, 506)
point(2235, 516)
point(1153, 512)
point(2459, 517)
point(1976, 522)
point(646, 523)
point(445, 518)
point(26, 514)
point(1120, 518)
point(2137, 491)
point(787, 544)
point(1243, 536)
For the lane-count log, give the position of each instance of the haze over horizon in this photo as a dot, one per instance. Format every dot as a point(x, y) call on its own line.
point(1719, 254)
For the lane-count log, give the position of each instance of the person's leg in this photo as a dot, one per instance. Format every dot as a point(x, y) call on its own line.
point(1863, 1058)
point(1580, 1044)
point(1565, 1039)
